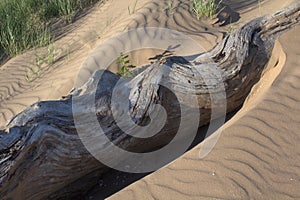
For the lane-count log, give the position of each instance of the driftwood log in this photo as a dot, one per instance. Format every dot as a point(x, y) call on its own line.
point(42, 156)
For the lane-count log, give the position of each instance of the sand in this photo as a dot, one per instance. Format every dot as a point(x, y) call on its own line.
point(256, 155)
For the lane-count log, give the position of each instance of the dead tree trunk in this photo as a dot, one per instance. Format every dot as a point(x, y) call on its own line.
point(41, 154)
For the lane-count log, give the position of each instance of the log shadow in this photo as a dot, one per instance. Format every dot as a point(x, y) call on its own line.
point(114, 181)
point(242, 5)
point(230, 10)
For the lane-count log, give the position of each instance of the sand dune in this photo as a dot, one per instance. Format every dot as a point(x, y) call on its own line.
point(152, 14)
point(71, 51)
point(55, 81)
point(256, 156)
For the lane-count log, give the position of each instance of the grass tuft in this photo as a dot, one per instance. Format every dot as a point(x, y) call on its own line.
point(124, 66)
point(206, 8)
point(24, 24)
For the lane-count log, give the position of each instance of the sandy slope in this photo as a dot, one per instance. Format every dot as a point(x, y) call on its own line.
point(72, 50)
point(256, 154)
point(54, 81)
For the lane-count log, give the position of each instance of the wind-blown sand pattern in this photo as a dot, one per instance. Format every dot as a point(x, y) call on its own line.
point(71, 50)
point(257, 155)
point(104, 21)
